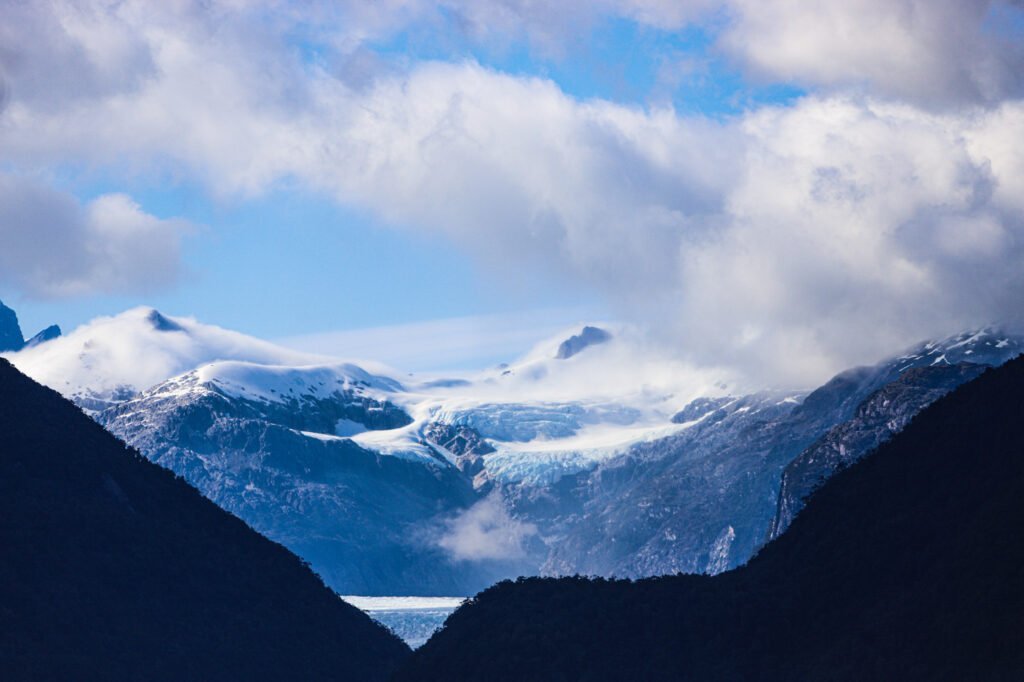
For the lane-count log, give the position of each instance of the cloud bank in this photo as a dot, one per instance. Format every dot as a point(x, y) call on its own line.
point(883, 207)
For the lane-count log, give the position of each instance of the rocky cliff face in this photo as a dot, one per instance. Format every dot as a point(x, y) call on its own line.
point(589, 336)
point(883, 414)
point(464, 444)
point(49, 334)
point(10, 331)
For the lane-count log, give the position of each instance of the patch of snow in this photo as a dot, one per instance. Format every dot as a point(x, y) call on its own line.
point(277, 383)
point(325, 437)
point(404, 442)
point(970, 339)
point(718, 557)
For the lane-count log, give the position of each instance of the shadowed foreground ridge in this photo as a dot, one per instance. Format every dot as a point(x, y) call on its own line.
point(908, 565)
point(113, 568)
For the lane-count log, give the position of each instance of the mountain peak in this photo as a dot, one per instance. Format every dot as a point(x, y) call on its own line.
point(588, 336)
point(111, 358)
point(10, 330)
point(48, 334)
point(161, 323)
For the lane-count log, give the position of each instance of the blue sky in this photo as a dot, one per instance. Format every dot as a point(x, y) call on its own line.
point(294, 262)
point(744, 180)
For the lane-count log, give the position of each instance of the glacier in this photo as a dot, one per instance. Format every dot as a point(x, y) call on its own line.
point(414, 619)
point(625, 461)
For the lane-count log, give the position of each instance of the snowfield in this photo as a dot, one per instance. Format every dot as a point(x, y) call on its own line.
point(545, 415)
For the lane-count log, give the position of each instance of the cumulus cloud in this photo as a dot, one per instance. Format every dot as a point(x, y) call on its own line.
point(788, 240)
point(824, 233)
point(54, 246)
point(857, 227)
point(930, 51)
point(486, 532)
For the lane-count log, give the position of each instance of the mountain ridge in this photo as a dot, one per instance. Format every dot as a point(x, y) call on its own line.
point(906, 565)
point(598, 468)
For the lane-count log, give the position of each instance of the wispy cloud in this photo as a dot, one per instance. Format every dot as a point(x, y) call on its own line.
point(486, 531)
point(460, 343)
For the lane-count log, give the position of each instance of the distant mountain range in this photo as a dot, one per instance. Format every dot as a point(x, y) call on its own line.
point(906, 565)
point(591, 455)
point(114, 568)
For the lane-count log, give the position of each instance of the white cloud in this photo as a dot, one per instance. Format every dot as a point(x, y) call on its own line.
point(53, 55)
point(936, 52)
point(53, 246)
point(790, 241)
point(932, 51)
point(857, 227)
point(138, 349)
point(484, 532)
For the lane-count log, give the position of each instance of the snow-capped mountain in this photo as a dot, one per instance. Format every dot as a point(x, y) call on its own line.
point(707, 498)
point(595, 453)
point(281, 448)
point(112, 358)
point(907, 567)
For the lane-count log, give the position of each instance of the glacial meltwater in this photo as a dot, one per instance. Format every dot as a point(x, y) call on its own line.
point(414, 619)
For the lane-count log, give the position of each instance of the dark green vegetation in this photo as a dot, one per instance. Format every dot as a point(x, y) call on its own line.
point(908, 565)
point(114, 568)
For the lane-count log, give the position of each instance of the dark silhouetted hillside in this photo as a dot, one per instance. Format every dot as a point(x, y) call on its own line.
point(113, 568)
point(908, 565)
